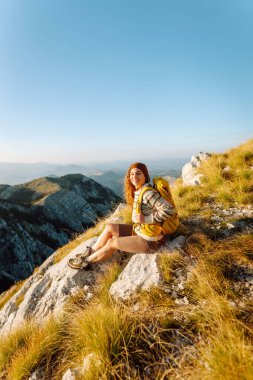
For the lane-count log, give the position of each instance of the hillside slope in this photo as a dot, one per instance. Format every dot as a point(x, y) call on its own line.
point(195, 323)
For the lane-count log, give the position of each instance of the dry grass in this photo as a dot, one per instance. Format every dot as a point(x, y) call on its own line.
point(31, 347)
point(229, 188)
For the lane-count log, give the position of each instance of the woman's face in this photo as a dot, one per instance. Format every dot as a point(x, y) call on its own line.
point(137, 178)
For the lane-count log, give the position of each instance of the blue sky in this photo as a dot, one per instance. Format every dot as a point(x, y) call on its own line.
point(88, 81)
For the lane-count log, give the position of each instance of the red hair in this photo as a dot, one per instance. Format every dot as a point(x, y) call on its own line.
point(129, 188)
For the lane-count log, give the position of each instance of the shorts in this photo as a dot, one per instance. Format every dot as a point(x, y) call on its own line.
point(134, 243)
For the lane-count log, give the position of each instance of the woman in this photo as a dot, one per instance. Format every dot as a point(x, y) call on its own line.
point(126, 237)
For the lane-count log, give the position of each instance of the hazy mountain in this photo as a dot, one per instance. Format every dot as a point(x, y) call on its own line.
point(16, 173)
point(112, 180)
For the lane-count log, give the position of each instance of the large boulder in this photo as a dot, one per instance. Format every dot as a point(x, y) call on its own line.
point(142, 272)
point(189, 172)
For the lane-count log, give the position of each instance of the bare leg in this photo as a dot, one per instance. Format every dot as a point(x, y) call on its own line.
point(109, 231)
point(104, 252)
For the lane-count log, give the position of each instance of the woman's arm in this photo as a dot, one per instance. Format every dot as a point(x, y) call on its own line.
point(161, 208)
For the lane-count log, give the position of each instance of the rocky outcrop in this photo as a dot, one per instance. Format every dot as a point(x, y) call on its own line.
point(49, 288)
point(46, 291)
point(39, 216)
point(189, 172)
point(142, 272)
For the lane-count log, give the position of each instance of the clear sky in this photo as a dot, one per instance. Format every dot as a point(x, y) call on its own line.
point(100, 80)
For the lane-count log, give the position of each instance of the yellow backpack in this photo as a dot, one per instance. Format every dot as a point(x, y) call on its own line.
point(170, 224)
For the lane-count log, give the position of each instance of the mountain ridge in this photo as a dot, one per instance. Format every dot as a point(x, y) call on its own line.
point(38, 217)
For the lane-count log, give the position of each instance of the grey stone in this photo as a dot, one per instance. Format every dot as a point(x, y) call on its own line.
point(182, 301)
point(226, 169)
point(230, 225)
point(71, 374)
point(38, 374)
point(141, 273)
point(90, 360)
point(190, 176)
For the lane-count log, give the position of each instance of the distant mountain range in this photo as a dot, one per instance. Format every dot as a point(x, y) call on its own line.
point(108, 174)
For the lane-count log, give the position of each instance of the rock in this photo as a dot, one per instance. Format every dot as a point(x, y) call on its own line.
point(189, 174)
point(89, 296)
point(90, 360)
point(38, 374)
point(182, 301)
point(196, 160)
point(239, 224)
point(46, 291)
point(175, 244)
point(116, 217)
point(141, 273)
point(136, 307)
point(230, 225)
point(178, 272)
point(226, 172)
point(72, 374)
point(75, 373)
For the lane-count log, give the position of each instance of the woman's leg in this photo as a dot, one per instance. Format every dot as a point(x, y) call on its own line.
point(104, 246)
point(109, 231)
point(131, 244)
point(104, 252)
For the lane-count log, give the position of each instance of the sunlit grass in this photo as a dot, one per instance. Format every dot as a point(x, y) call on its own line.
point(231, 187)
point(29, 347)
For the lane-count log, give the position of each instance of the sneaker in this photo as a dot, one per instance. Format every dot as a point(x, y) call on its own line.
point(79, 263)
point(88, 251)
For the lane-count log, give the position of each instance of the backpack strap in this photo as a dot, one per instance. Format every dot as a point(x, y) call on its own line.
point(139, 200)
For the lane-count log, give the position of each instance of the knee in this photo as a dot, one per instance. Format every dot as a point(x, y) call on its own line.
point(112, 243)
point(112, 228)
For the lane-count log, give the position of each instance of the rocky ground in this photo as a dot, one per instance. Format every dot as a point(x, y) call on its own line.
point(218, 222)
